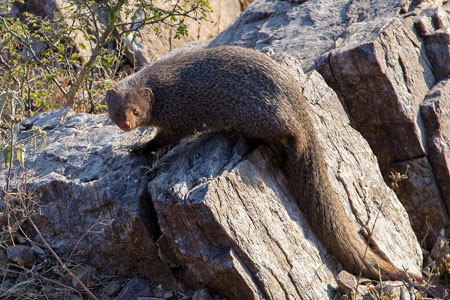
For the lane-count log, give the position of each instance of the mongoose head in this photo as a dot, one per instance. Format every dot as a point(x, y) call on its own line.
point(131, 108)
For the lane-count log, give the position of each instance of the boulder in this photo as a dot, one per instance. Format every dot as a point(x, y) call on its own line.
point(303, 29)
point(435, 112)
point(93, 204)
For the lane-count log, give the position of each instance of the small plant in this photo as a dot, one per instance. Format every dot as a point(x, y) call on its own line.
point(397, 177)
point(44, 276)
point(12, 108)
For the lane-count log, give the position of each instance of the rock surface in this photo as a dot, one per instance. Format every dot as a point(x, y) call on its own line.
point(92, 195)
point(433, 26)
point(303, 29)
point(218, 221)
point(420, 195)
point(435, 111)
point(21, 255)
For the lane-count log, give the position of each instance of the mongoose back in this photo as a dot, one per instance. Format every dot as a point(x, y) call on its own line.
point(236, 89)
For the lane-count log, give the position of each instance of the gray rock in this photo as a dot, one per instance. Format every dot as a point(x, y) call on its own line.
point(303, 29)
point(92, 193)
point(134, 289)
point(421, 197)
point(346, 282)
point(382, 78)
point(112, 288)
point(217, 206)
point(435, 112)
point(20, 254)
point(356, 178)
point(380, 67)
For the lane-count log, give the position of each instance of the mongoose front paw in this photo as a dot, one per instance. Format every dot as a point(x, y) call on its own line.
point(144, 149)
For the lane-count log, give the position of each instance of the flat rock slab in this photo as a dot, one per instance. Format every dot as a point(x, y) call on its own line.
point(303, 29)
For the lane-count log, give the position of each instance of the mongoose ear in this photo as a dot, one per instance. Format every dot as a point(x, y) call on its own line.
point(111, 94)
point(146, 93)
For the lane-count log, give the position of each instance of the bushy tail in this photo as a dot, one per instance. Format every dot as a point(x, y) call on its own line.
point(309, 183)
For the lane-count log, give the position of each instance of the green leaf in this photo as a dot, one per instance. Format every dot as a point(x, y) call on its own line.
point(42, 144)
point(20, 152)
point(3, 98)
point(20, 102)
point(7, 155)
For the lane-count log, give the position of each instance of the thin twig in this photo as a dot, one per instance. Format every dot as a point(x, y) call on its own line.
point(63, 265)
point(35, 56)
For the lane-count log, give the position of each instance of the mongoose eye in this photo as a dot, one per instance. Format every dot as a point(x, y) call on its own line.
point(136, 112)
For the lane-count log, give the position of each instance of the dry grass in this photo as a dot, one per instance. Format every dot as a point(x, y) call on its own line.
point(31, 269)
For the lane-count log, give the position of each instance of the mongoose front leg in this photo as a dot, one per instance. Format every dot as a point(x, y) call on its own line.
point(163, 138)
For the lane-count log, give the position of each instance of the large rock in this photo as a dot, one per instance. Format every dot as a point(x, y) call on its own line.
point(92, 195)
point(229, 223)
point(382, 77)
point(303, 29)
point(433, 26)
point(436, 114)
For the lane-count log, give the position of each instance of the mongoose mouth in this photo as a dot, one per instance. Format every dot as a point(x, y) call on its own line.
point(126, 126)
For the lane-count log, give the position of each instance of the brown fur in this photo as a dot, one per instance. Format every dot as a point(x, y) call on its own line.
point(237, 89)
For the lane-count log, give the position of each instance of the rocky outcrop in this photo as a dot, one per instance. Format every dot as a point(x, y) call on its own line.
point(436, 118)
point(93, 207)
point(304, 29)
point(215, 211)
point(228, 220)
point(218, 207)
point(381, 59)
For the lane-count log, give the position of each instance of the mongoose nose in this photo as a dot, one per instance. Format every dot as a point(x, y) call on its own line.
point(126, 125)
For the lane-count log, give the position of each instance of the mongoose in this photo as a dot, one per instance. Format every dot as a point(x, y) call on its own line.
point(237, 89)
